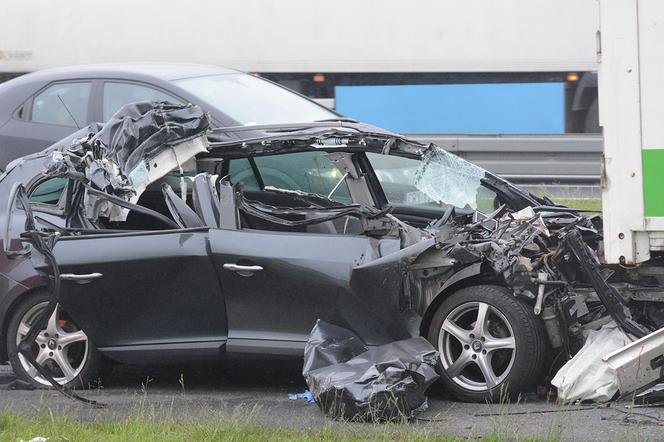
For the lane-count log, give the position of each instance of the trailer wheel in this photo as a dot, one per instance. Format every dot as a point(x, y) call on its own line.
point(490, 343)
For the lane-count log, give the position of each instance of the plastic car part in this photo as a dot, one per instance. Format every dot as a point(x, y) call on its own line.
point(586, 376)
point(373, 219)
point(183, 215)
point(228, 215)
point(639, 364)
point(353, 382)
point(102, 197)
point(206, 199)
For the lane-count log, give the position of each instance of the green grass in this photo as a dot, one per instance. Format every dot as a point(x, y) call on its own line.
point(581, 203)
point(59, 427)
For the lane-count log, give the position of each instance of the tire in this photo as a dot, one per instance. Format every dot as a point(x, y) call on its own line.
point(61, 343)
point(511, 344)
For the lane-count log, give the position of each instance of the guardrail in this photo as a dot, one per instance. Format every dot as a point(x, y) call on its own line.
point(537, 159)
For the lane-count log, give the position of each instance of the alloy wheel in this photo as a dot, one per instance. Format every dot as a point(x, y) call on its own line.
point(61, 347)
point(477, 346)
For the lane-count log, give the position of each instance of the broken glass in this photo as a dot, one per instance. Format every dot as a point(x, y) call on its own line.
point(448, 179)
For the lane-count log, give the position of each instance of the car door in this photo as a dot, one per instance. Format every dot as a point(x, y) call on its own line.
point(144, 296)
point(277, 284)
point(53, 112)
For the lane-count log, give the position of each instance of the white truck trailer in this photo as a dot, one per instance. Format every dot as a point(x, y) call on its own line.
point(303, 36)
point(631, 104)
point(459, 50)
point(631, 101)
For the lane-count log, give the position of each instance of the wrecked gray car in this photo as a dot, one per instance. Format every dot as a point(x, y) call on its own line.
point(155, 238)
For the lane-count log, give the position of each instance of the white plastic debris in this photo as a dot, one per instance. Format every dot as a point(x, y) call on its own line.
point(586, 377)
point(37, 439)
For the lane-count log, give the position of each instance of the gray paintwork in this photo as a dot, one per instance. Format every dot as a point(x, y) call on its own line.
point(19, 136)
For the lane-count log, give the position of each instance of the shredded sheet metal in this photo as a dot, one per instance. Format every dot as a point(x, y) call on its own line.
point(352, 381)
point(139, 131)
point(140, 144)
point(446, 178)
point(586, 377)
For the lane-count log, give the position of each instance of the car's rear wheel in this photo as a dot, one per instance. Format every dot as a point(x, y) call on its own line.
point(62, 347)
point(490, 343)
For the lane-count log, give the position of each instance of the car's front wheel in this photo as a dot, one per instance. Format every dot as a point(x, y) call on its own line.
point(490, 343)
point(62, 347)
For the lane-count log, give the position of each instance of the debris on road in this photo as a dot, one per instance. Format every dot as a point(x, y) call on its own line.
point(307, 396)
point(651, 397)
point(587, 377)
point(353, 382)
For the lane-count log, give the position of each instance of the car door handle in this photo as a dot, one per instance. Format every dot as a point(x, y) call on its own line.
point(242, 270)
point(80, 278)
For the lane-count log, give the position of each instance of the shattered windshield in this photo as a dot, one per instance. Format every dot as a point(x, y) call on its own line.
point(437, 181)
point(446, 178)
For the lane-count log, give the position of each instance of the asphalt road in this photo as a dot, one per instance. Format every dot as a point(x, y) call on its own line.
point(257, 391)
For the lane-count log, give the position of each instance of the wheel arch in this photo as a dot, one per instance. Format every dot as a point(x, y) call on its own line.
point(12, 302)
point(475, 274)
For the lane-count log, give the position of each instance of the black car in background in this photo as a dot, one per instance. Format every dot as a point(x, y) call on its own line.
point(40, 108)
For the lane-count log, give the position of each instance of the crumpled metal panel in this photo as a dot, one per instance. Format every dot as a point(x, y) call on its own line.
point(141, 143)
point(353, 382)
point(139, 131)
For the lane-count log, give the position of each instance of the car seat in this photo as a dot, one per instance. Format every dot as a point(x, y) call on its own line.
point(184, 216)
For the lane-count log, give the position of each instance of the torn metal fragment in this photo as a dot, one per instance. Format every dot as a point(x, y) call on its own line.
point(354, 382)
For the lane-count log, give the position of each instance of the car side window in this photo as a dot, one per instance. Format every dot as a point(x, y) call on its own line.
point(64, 104)
point(48, 192)
point(117, 94)
point(241, 172)
point(311, 172)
